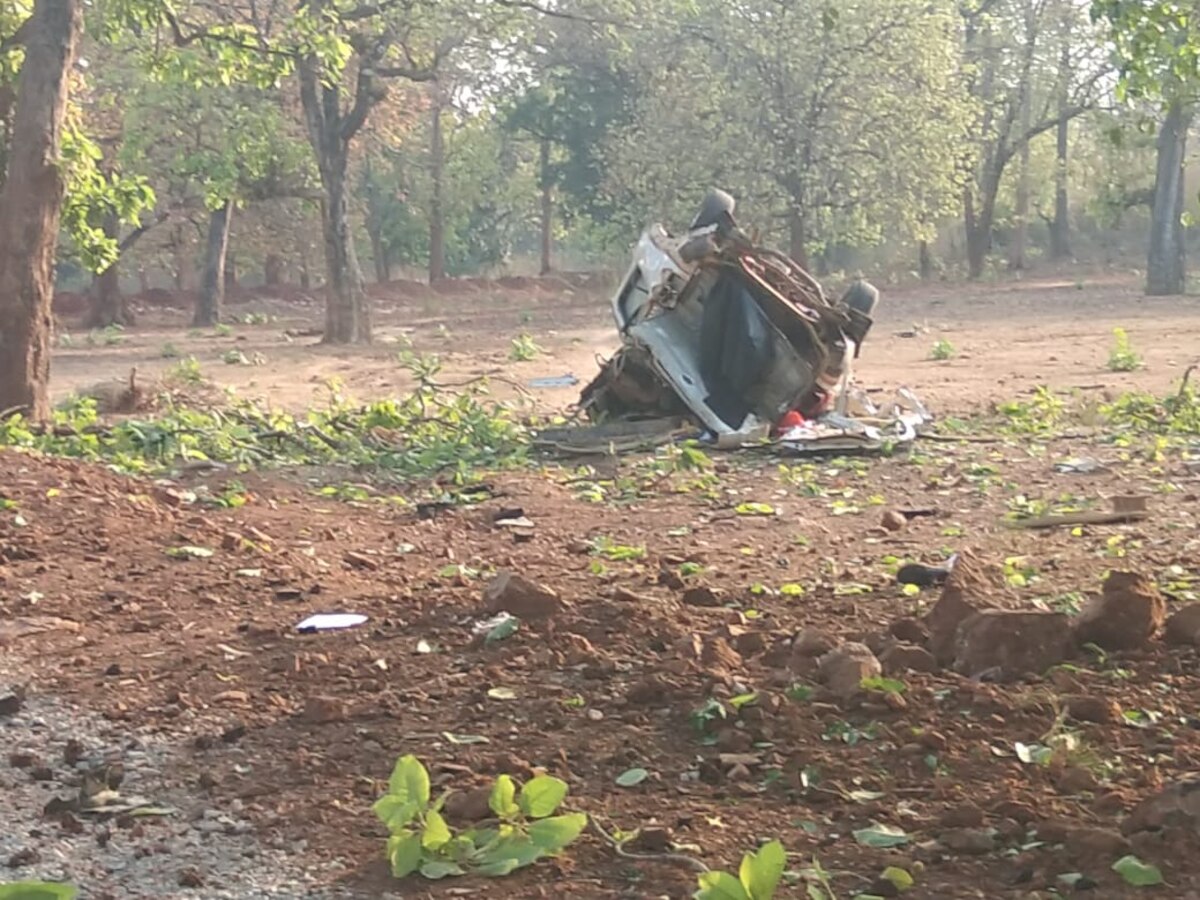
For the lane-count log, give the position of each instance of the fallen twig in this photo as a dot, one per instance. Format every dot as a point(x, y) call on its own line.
point(619, 848)
point(962, 439)
point(1086, 517)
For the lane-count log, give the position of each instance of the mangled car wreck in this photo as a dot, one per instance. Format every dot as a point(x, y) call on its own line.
point(743, 342)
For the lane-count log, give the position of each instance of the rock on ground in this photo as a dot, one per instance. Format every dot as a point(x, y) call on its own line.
point(523, 598)
point(1008, 644)
point(844, 669)
point(1128, 613)
point(970, 588)
point(1183, 628)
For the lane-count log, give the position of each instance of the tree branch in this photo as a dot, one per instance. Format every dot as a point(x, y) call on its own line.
point(17, 38)
point(133, 236)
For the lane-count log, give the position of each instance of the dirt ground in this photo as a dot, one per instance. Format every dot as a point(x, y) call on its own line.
point(205, 649)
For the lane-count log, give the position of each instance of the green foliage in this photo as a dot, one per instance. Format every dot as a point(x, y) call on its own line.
point(799, 136)
point(524, 349)
point(1138, 873)
point(1042, 414)
point(757, 878)
point(37, 890)
point(942, 351)
point(186, 371)
point(428, 432)
point(421, 841)
point(1157, 43)
point(92, 197)
point(1122, 357)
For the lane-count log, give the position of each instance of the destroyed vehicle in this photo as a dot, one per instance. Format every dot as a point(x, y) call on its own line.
point(738, 338)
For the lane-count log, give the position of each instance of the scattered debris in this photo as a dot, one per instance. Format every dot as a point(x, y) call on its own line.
point(556, 381)
point(11, 703)
point(743, 342)
point(324, 710)
point(1080, 466)
point(1124, 510)
point(330, 622)
point(924, 576)
point(24, 626)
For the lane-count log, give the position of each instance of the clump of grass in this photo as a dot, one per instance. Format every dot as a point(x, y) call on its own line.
point(524, 349)
point(942, 351)
point(1122, 357)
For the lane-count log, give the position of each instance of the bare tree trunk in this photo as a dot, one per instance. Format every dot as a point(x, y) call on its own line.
point(547, 208)
point(437, 166)
point(30, 206)
point(347, 313)
point(210, 301)
point(143, 279)
point(380, 256)
point(305, 277)
point(1165, 263)
point(980, 220)
point(106, 303)
point(1016, 258)
point(797, 235)
point(273, 270)
point(925, 261)
point(230, 272)
point(1060, 226)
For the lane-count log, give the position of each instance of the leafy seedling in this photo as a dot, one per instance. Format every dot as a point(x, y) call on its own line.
point(524, 349)
point(757, 878)
point(1121, 357)
point(421, 841)
point(943, 350)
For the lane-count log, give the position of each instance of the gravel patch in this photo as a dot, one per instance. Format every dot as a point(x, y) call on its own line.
point(52, 753)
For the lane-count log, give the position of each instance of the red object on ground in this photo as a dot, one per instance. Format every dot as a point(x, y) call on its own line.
point(789, 421)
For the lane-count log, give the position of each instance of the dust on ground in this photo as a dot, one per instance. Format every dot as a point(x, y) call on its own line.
point(300, 731)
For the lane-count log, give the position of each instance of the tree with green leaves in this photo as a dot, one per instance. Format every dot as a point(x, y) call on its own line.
point(832, 121)
point(1158, 45)
point(1013, 69)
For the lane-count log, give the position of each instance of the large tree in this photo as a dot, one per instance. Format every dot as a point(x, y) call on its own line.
point(1158, 44)
point(31, 203)
point(838, 121)
point(1012, 56)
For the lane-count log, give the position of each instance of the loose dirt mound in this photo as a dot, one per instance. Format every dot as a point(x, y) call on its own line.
point(184, 620)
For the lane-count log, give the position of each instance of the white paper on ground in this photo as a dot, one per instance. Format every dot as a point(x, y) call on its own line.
point(331, 621)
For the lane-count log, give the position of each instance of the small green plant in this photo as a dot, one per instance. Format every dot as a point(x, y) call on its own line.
point(65, 341)
point(223, 330)
point(421, 841)
point(614, 552)
point(1122, 357)
point(942, 351)
point(37, 890)
point(235, 358)
point(186, 371)
point(255, 319)
point(524, 349)
point(757, 878)
point(169, 351)
point(110, 336)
